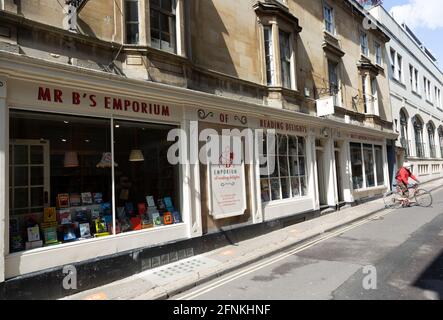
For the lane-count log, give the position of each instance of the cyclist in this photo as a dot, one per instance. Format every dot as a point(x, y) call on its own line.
point(402, 177)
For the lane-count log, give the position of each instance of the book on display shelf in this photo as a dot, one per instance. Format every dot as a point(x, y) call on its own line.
point(129, 207)
point(69, 232)
point(176, 217)
point(141, 208)
point(150, 201)
point(87, 198)
point(100, 226)
point(33, 233)
point(85, 230)
point(75, 199)
point(136, 223)
point(65, 216)
point(50, 214)
point(63, 200)
point(168, 202)
point(95, 213)
point(98, 197)
point(50, 235)
point(157, 219)
point(167, 218)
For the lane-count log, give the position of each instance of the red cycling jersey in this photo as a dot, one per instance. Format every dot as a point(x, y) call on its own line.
point(403, 175)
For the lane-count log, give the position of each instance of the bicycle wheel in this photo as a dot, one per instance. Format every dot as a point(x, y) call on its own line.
point(423, 198)
point(392, 200)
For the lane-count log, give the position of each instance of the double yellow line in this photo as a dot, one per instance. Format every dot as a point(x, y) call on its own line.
point(268, 262)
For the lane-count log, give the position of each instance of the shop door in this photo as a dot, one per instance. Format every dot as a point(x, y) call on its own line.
point(339, 180)
point(28, 176)
point(321, 178)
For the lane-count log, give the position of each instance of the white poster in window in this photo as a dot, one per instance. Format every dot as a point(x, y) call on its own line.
point(227, 191)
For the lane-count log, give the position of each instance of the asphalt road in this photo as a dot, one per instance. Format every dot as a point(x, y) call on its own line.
point(397, 256)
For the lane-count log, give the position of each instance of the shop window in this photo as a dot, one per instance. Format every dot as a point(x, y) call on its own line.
point(61, 178)
point(379, 165)
point(163, 24)
point(368, 157)
point(132, 21)
point(288, 180)
point(60, 188)
point(357, 166)
point(146, 185)
point(367, 165)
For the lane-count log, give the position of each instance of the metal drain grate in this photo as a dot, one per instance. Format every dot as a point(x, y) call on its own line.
point(177, 270)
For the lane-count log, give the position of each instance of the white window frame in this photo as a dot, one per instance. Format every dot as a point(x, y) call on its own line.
point(364, 43)
point(378, 53)
point(126, 22)
point(271, 56)
point(374, 158)
point(331, 23)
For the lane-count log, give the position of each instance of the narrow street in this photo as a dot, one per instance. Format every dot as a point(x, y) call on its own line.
point(405, 246)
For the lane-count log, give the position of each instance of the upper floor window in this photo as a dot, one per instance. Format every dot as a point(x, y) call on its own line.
point(132, 22)
point(329, 19)
point(396, 66)
point(163, 24)
point(438, 100)
point(413, 73)
point(285, 58)
point(364, 43)
point(378, 53)
point(427, 87)
point(269, 56)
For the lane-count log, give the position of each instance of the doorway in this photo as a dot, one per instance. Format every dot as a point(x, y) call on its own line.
point(339, 186)
point(322, 190)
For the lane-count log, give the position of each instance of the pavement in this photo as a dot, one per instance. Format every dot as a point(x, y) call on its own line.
point(303, 255)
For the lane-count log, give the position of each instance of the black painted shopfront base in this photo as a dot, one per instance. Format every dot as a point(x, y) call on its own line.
point(48, 284)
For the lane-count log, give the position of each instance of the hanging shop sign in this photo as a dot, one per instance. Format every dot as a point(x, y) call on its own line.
point(64, 99)
point(227, 186)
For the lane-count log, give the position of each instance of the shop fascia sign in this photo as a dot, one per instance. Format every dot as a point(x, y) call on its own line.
point(227, 185)
point(283, 126)
point(35, 95)
point(361, 137)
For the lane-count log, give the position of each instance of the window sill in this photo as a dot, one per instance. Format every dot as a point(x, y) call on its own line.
point(430, 102)
point(276, 203)
point(418, 95)
point(148, 49)
point(399, 82)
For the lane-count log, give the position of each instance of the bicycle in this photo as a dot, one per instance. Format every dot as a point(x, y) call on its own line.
point(396, 199)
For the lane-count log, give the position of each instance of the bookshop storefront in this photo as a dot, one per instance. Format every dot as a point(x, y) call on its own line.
point(88, 175)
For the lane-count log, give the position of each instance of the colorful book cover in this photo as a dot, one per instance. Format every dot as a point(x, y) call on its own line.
point(63, 200)
point(168, 202)
point(50, 235)
point(95, 213)
point(69, 233)
point(65, 216)
point(150, 201)
point(160, 205)
point(176, 217)
point(98, 197)
point(106, 208)
point(50, 214)
point(136, 223)
point(167, 218)
point(33, 233)
point(156, 219)
point(85, 230)
point(87, 198)
point(100, 226)
point(75, 199)
point(141, 208)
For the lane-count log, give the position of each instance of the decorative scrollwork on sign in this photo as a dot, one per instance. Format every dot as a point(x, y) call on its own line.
point(1, 84)
point(242, 119)
point(203, 115)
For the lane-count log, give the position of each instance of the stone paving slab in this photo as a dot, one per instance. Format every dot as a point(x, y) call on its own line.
point(147, 286)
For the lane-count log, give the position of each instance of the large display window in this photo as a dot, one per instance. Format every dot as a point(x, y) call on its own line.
point(367, 165)
point(62, 177)
point(286, 179)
